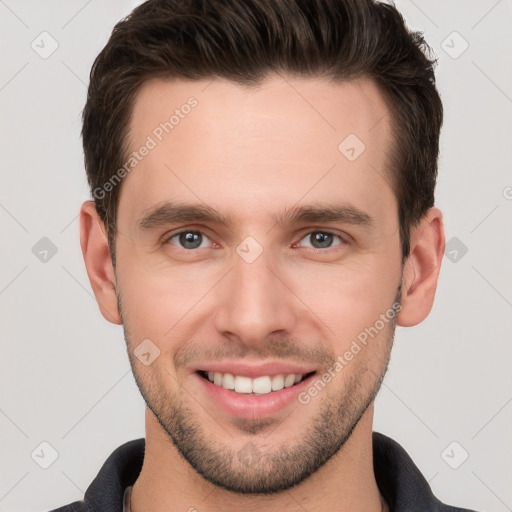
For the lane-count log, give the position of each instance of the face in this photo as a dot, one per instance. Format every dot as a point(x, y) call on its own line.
point(258, 248)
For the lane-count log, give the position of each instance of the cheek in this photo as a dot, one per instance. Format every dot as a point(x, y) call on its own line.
point(348, 297)
point(156, 297)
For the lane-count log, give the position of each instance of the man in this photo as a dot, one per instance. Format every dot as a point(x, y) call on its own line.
point(263, 177)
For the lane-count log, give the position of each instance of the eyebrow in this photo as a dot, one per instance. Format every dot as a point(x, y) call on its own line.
point(174, 212)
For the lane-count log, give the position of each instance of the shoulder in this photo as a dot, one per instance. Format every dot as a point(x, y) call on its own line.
point(119, 471)
point(401, 482)
point(77, 506)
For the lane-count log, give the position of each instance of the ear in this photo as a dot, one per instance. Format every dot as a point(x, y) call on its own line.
point(94, 243)
point(422, 269)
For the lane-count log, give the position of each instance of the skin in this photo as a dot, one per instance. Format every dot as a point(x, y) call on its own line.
point(252, 152)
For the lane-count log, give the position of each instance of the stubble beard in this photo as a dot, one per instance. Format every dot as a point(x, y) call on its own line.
point(255, 468)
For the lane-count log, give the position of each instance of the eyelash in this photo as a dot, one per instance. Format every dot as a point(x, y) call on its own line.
point(342, 238)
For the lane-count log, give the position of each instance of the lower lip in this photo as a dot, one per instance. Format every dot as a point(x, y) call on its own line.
point(253, 406)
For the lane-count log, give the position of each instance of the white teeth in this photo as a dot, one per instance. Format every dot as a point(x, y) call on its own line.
point(277, 382)
point(243, 384)
point(290, 379)
point(259, 385)
point(228, 381)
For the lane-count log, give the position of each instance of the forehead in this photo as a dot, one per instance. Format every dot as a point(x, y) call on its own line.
point(256, 148)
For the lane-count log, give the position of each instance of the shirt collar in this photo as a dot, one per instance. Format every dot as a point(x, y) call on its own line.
point(399, 480)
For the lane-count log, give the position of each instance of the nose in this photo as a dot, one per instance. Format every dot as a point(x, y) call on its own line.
point(255, 302)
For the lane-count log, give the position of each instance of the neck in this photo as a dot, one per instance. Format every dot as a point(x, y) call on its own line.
point(345, 483)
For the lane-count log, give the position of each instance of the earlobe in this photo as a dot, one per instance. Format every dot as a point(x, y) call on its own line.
point(421, 270)
point(94, 243)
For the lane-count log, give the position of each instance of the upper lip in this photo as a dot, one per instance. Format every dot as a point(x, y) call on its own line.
point(246, 369)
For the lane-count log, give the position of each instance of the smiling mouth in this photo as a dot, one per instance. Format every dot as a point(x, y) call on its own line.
point(257, 386)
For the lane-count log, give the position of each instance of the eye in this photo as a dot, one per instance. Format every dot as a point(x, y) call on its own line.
point(189, 239)
point(322, 239)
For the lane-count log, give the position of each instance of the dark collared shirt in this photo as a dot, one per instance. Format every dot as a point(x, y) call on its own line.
point(400, 482)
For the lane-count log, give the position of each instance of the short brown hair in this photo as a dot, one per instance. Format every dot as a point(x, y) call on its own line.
point(245, 41)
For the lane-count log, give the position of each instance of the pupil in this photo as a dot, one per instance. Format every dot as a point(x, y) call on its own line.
point(190, 240)
point(322, 239)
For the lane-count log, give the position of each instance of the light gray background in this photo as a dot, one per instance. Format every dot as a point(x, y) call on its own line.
point(64, 375)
